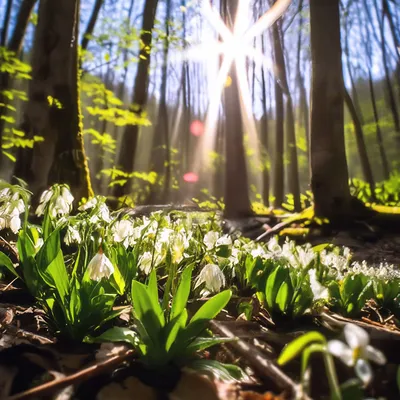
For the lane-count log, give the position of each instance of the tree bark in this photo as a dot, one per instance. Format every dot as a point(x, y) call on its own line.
point(14, 45)
point(91, 24)
point(329, 173)
point(236, 195)
point(362, 148)
point(126, 157)
point(6, 23)
point(53, 109)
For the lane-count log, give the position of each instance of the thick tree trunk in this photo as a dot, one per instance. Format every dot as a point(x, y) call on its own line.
point(126, 157)
point(329, 173)
point(236, 196)
point(53, 109)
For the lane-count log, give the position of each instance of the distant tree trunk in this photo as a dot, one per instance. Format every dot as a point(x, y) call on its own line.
point(161, 152)
point(236, 197)
point(265, 133)
point(126, 157)
point(362, 148)
point(390, 98)
point(6, 23)
point(14, 45)
point(329, 173)
point(53, 109)
point(379, 137)
point(280, 89)
point(91, 24)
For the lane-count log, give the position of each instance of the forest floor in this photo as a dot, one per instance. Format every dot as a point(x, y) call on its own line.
point(33, 364)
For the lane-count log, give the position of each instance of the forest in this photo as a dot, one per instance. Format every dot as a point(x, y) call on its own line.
point(200, 199)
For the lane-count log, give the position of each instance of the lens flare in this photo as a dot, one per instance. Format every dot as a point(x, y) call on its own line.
point(191, 177)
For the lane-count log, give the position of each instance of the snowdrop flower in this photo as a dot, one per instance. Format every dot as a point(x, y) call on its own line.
point(145, 262)
point(122, 231)
point(72, 235)
point(210, 239)
point(320, 292)
point(58, 206)
point(357, 352)
point(258, 252)
point(224, 240)
point(11, 210)
point(213, 278)
point(89, 204)
point(100, 267)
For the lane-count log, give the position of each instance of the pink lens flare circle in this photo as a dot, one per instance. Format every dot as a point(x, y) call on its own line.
point(197, 128)
point(191, 177)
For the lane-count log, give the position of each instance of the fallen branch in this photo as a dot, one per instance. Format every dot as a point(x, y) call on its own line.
point(264, 367)
point(57, 384)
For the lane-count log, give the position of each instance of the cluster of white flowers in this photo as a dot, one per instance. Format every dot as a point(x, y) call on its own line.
point(58, 199)
point(383, 271)
point(11, 207)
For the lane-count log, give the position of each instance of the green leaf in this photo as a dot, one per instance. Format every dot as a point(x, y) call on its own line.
point(223, 372)
point(182, 294)
point(295, 347)
point(115, 334)
point(152, 291)
point(284, 296)
point(172, 331)
point(274, 282)
point(202, 343)
point(207, 312)
point(144, 312)
point(6, 262)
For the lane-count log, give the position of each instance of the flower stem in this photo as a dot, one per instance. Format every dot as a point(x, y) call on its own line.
point(332, 378)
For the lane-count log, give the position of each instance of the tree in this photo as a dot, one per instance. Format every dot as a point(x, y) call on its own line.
point(236, 196)
point(14, 45)
point(329, 172)
point(53, 108)
point(129, 139)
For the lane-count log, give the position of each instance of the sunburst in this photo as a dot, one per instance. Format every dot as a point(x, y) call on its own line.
point(235, 46)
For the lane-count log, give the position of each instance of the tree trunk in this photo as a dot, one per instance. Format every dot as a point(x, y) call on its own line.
point(6, 23)
point(14, 45)
point(379, 137)
point(161, 152)
point(236, 196)
point(53, 109)
point(362, 149)
point(390, 98)
point(329, 173)
point(91, 24)
point(126, 157)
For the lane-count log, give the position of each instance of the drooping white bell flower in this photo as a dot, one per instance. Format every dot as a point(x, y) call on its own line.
point(357, 352)
point(319, 291)
point(100, 267)
point(145, 262)
point(72, 235)
point(224, 240)
point(213, 278)
point(122, 231)
point(210, 239)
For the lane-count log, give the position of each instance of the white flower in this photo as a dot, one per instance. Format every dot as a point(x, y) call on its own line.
point(258, 252)
point(319, 291)
point(61, 205)
point(145, 262)
point(357, 352)
point(72, 235)
point(210, 239)
point(100, 267)
point(213, 278)
point(89, 204)
point(5, 193)
point(224, 240)
point(15, 223)
point(122, 231)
